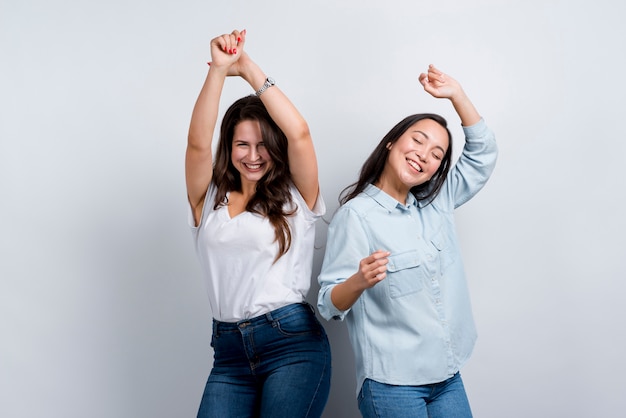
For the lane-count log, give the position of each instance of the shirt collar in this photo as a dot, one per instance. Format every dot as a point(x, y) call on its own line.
point(387, 201)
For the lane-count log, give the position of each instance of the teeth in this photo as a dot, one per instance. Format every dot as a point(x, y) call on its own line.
point(253, 166)
point(414, 165)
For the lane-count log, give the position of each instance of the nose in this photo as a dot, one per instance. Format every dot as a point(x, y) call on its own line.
point(254, 153)
point(420, 156)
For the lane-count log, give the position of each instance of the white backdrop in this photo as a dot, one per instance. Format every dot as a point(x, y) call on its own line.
point(102, 307)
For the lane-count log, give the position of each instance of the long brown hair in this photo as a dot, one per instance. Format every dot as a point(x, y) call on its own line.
point(272, 190)
point(375, 163)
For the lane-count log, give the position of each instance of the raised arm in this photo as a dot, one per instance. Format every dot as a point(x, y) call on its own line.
point(225, 50)
point(441, 85)
point(478, 158)
point(302, 159)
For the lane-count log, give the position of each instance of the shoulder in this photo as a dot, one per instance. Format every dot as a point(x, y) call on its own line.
point(209, 203)
point(358, 206)
point(300, 205)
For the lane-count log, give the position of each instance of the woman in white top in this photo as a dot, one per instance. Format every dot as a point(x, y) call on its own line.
point(253, 209)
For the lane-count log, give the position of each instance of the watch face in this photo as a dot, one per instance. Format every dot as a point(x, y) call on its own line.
point(269, 82)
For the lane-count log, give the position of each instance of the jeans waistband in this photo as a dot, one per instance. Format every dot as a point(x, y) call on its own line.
point(267, 318)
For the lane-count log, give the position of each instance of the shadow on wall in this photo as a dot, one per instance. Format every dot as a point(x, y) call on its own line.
point(342, 399)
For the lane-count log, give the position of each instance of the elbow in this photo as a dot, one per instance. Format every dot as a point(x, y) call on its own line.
point(301, 131)
point(197, 143)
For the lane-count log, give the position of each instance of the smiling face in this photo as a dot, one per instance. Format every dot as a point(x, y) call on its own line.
point(249, 155)
point(414, 158)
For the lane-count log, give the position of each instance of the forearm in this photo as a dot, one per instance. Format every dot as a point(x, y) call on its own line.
point(345, 294)
point(280, 108)
point(302, 160)
point(204, 115)
point(199, 157)
point(465, 109)
point(441, 85)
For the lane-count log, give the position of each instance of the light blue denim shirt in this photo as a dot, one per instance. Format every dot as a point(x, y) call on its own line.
point(415, 327)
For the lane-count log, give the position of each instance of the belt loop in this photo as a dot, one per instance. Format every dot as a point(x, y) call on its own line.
point(215, 328)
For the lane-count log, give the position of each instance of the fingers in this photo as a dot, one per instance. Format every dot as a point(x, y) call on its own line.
point(423, 78)
point(374, 267)
point(433, 78)
point(435, 75)
point(230, 43)
point(379, 254)
point(240, 40)
point(438, 84)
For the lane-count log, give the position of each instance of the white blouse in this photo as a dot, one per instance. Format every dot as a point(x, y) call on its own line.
point(237, 257)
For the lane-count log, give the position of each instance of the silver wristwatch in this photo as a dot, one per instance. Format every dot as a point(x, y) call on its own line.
point(269, 82)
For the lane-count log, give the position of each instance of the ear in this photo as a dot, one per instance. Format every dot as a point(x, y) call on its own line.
point(388, 146)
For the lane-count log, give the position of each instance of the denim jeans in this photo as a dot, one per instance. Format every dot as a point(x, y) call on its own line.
point(271, 366)
point(446, 399)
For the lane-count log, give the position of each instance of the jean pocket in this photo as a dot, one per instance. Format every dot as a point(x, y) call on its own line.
point(404, 275)
point(298, 323)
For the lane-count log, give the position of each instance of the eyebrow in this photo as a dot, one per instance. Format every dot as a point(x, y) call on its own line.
point(427, 137)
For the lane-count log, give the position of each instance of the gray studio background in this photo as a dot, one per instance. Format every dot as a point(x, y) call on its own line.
point(102, 307)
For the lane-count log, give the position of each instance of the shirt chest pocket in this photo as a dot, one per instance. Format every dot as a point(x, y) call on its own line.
point(404, 274)
point(444, 249)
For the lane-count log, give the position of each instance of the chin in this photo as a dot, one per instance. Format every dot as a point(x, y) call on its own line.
point(255, 177)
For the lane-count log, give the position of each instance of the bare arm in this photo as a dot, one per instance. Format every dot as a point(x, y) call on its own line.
point(225, 50)
point(302, 159)
point(441, 85)
point(372, 270)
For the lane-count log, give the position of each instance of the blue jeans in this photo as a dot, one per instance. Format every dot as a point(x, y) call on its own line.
point(274, 365)
point(446, 399)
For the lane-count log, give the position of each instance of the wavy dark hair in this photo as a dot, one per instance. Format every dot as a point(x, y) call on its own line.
point(272, 190)
point(375, 163)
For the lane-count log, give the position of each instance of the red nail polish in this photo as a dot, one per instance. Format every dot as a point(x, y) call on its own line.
point(209, 64)
point(239, 39)
point(234, 50)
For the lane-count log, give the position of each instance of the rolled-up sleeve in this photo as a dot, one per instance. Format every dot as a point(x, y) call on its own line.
point(347, 244)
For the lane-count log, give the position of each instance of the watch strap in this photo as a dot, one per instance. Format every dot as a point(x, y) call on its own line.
point(269, 82)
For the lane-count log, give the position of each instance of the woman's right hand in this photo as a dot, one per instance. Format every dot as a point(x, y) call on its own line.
point(226, 51)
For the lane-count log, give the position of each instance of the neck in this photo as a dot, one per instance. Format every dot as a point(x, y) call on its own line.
point(397, 191)
point(248, 189)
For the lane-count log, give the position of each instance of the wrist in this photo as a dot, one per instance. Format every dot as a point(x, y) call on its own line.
point(459, 97)
point(269, 82)
point(217, 70)
point(251, 73)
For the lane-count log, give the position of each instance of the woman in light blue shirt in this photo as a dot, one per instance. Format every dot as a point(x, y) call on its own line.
point(393, 267)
